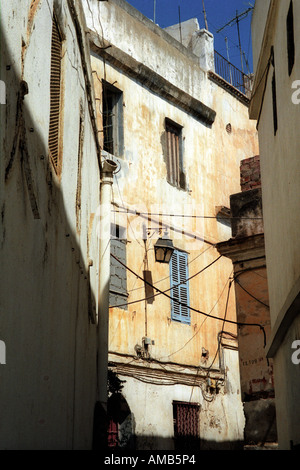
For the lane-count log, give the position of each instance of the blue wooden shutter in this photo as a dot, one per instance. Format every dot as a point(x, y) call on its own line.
point(178, 274)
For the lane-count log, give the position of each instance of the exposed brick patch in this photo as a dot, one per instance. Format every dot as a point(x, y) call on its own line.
point(250, 173)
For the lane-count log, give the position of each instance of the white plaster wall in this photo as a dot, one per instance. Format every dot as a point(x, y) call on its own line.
point(221, 420)
point(48, 384)
point(259, 18)
point(280, 169)
point(148, 43)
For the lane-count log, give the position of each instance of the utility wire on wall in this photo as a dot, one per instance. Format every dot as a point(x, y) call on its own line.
point(192, 308)
point(195, 334)
point(135, 212)
point(173, 287)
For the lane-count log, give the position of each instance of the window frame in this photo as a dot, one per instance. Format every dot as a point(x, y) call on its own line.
point(178, 274)
point(118, 242)
point(115, 146)
point(174, 154)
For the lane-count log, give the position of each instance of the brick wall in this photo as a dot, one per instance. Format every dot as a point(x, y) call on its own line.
point(250, 173)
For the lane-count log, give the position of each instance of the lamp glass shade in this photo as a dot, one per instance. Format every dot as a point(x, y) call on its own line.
point(163, 249)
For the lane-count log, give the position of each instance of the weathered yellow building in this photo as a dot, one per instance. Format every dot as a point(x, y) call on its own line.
point(177, 132)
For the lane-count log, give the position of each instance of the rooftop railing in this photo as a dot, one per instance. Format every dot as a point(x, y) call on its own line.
point(232, 74)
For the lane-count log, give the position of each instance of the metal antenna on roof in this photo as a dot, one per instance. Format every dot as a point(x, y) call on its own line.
point(205, 18)
point(236, 20)
point(179, 24)
point(228, 58)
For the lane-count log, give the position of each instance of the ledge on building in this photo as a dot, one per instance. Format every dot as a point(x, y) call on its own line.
point(228, 87)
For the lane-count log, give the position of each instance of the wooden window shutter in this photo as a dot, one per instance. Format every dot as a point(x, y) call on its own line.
point(178, 274)
point(55, 92)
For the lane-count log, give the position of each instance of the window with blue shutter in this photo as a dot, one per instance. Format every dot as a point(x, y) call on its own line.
point(179, 288)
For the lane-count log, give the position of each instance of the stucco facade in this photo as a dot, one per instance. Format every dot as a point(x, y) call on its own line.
point(275, 105)
point(165, 362)
point(49, 245)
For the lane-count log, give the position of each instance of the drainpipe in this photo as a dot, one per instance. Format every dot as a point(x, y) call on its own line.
point(108, 168)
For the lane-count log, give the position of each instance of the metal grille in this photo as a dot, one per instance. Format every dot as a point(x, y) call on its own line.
point(173, 170)
point(113, 434)
point(112, 119)
point(55, 79)
point(186, 425)
point(232, 74)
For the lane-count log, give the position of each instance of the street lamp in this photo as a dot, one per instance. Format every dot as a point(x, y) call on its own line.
point(163, 250)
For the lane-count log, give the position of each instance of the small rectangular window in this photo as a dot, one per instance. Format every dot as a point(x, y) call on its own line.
point(175, 173)
point(112, 109)
point(290, 38)
point(179, 287)
point(55, 94)
point(274, 99)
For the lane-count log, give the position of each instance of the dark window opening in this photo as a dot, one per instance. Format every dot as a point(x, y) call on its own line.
point(186, 426)
point(290, 38)
point(112, 119)
point(274, 99)
point(55, 93)
point(175, 171)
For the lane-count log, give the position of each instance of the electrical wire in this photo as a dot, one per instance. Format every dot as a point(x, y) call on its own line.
point(135, 212)
point(224, 320)
point(168, 277)
point(211, 398)
point(249, 293)
point(167, 290)
point(195, 334)
point(240, 324)
point(117, 181)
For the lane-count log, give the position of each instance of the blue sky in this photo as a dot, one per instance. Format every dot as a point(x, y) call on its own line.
point(218, 12)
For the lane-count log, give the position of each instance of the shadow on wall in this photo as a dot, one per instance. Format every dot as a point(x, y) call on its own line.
point(49, 383)
point(122, 436)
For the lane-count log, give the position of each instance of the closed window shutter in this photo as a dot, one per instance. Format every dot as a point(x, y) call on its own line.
point(179, 293)
point(55, 79)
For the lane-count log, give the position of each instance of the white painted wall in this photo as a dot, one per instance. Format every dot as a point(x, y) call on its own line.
point(280, 169)
point(48, 384)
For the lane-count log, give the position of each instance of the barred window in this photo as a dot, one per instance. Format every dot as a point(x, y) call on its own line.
point(112, 119)
point(186, 425)
point(175, 173)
